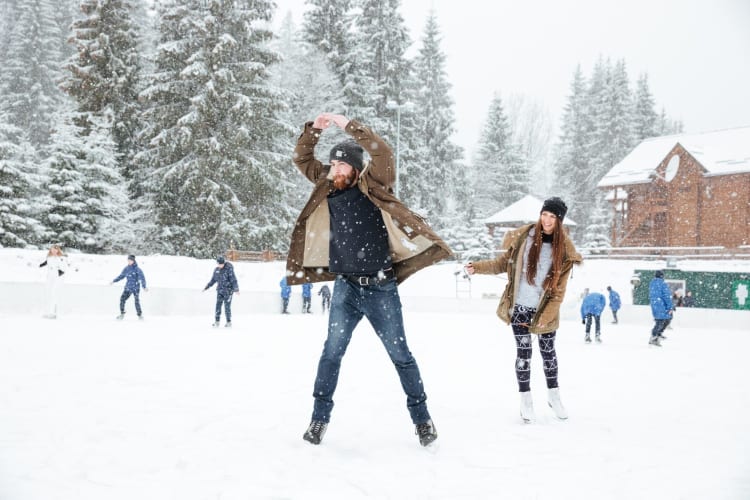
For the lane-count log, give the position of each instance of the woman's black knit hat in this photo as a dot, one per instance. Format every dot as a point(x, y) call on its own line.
point(556, 206)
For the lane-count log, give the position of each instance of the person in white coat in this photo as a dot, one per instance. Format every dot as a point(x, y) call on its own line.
point(56, 264)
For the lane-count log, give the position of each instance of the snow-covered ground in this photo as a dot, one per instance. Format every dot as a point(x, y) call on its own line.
point(170, 408)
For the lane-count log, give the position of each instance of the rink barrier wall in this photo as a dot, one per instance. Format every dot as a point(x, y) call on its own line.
point(27, 298)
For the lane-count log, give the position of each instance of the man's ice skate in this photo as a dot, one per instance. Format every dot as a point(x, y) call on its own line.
point(598, 339)
point(587, 339)
point(553, 400)
point(121, 315)
point(426, 432)
point(314, 433)
point(229, 324)
point(215, 324)
point(527, 408)
point(654, 341)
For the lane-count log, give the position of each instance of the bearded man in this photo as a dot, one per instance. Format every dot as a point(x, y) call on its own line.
point(355, 232)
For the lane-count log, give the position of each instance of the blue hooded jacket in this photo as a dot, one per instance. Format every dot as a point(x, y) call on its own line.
point(614, 300)
point(660, 297)
point(593, 303)
point(286, 290)
point(307, 290)
point(134, 278)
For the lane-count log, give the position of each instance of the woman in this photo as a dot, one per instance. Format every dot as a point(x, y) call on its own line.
point(56, 264)
point(538, 259)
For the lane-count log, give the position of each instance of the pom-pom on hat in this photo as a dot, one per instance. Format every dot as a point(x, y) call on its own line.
point(556, 206)
point(349, 152)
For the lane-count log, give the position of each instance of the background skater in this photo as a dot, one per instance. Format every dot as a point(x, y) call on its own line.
point(56, 264)
point(591, 308)
point(134, 278)
point(226, 287)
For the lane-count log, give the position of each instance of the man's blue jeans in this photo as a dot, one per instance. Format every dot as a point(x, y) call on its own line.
point(381, 305)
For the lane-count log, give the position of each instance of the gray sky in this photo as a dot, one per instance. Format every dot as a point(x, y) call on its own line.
point(694, 51)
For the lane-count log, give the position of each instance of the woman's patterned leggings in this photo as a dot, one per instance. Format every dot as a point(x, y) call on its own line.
point(520, 320)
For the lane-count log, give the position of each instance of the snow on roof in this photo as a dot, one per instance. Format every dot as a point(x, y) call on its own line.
point(524, 211)
point(720, 152)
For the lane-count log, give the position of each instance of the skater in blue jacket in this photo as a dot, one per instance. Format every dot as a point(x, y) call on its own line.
point(614, 303)
point(226, 287)
point(286, 292)
point(306, 297)
point(134, 279)
point(592, 307)
point(662, 307)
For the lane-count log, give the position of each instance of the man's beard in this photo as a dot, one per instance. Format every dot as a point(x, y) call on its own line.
point(342, 182)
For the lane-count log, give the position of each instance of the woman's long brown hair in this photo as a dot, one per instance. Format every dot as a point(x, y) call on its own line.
point(553, 276)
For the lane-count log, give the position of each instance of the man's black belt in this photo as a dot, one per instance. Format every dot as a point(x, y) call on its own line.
point(370, 279)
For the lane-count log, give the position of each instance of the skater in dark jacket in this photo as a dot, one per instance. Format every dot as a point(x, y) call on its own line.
point(325, 297)
point(134, 279)
point(226, 287)
point(591, 308)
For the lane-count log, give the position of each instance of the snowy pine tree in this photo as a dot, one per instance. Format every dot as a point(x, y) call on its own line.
point(644, 111)
point(105, 72)
point(437, 157)
point(303, 73)
point(500, 173)
point(572, 152)
point(84, 201)
point(29, 99)
point(328, 26)
point(220, 169)
point(31, 68)
point(596, 235)
point(469, 240)
point(666, 125)
point(532, 128)
point(19, 226)
point(610, 136)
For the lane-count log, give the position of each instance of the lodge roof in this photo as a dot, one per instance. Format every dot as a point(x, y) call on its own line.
point(720, 152)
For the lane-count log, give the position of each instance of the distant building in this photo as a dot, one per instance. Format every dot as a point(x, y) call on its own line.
point(524, 211)
point(687, 190)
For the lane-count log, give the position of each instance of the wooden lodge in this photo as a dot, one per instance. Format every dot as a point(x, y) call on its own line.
point(688, 192)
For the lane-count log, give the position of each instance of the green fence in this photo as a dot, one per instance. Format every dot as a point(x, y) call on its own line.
point(714, 290)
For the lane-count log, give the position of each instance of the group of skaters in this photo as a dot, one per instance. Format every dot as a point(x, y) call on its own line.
point(662, 301)
point(223, 277)
point(355, 233)
point(592, 306)
point(286, 295)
